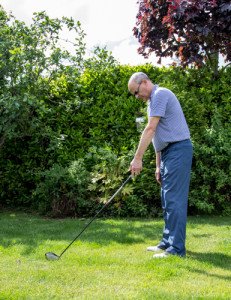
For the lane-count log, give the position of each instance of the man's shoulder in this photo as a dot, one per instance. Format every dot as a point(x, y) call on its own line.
point(162, 92)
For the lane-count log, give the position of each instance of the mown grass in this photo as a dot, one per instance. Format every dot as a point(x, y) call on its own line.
point(110, 260)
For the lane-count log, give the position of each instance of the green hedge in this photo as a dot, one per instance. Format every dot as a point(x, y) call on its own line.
point(90, 122)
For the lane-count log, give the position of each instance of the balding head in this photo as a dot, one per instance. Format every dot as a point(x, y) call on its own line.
point(140, 85)
point(138, 77)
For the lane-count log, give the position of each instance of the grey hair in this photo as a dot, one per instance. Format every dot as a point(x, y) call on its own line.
point(138, 77)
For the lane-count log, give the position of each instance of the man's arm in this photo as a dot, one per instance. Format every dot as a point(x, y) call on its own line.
point(145, 140)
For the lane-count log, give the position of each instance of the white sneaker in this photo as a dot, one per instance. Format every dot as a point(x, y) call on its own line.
point(161, 255)
point(154, 249)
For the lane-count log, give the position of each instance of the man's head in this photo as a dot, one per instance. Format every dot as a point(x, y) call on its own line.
point(140, 86)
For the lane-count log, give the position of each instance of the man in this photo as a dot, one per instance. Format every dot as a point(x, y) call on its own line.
point(168, 131)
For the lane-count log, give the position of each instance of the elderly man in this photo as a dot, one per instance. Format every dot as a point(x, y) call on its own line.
point(168, 131)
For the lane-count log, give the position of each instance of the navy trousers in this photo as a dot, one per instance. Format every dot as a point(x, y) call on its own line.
point(175, 168)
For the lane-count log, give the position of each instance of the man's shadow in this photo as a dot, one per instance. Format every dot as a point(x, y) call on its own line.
point(218, 260)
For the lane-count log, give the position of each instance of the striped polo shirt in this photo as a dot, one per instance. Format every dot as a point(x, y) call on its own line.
point(172, 126)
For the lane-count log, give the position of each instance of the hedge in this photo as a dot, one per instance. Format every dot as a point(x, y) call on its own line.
point(96, 130)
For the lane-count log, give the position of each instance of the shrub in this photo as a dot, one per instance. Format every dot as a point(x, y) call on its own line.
point(62, 191)
point(210, 186)
point(89, 119)
point(108, 172)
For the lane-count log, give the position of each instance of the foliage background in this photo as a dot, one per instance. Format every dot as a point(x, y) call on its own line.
point(68, 130)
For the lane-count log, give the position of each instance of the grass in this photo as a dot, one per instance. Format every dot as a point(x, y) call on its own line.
point(110, 260)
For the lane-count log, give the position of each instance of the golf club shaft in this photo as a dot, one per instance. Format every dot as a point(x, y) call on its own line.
point(106, 204)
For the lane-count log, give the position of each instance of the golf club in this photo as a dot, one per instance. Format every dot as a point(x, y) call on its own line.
point(53, 256)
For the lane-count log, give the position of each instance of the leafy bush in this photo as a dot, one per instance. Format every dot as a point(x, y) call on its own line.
point(140, 197)
point(62, 191)
point(108, 173)
point(211, 185)
point(133, 206)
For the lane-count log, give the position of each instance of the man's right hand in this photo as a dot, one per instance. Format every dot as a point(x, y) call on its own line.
point(136, 166)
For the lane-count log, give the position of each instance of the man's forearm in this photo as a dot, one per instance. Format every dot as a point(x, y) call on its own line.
point(145, 140)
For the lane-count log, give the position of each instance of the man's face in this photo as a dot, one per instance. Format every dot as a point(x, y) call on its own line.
point(140, 90)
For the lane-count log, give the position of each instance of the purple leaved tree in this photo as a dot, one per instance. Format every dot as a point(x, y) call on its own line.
point(196, 32)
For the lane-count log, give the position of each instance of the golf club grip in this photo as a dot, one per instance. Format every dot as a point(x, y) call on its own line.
point(106, 204)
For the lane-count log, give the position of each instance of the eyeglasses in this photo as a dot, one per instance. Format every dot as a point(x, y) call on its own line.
point(136, 93)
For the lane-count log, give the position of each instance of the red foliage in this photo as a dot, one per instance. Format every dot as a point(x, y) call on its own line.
point(192, 30)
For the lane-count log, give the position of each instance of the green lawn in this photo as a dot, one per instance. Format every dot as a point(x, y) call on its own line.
point(110, 260)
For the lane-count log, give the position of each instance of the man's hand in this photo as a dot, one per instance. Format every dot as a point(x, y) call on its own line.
point(136, 166)
point(157, 174)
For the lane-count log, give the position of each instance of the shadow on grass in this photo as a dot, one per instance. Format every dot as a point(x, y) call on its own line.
point(209, 274)
point(203, 235)
point(218, 260)
point(30, 231)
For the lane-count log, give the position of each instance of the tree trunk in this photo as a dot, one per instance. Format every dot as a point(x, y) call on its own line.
point(214, 62)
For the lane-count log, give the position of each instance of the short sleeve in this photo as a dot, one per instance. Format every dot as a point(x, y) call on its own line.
point(158, 103)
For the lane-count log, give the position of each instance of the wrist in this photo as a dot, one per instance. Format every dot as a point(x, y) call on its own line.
point(138, 156)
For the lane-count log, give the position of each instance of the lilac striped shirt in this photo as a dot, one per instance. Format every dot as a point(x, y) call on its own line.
point(172, 126)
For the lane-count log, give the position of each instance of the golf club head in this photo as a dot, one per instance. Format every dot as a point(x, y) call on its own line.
point(51, 256)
